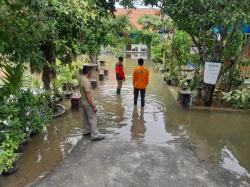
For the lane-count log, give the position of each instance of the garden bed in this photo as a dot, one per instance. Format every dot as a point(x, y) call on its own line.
point(199, 106)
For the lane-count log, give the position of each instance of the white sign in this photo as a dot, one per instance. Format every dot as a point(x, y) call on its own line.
point(211, 73)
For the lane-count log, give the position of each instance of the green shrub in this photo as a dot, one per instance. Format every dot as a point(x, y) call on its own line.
point(7, 157)
point(21, 112)
point(239, 99)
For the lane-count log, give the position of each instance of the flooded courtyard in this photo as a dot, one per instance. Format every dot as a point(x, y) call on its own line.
point(220, 139)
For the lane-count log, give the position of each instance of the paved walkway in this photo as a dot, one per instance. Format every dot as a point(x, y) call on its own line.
point(117, 163)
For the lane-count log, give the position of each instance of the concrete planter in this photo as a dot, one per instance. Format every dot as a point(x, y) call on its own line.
point(75, 102)
point(61, 110)
point(185, 97)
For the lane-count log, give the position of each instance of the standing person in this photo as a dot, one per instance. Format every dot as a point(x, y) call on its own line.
point(88, 105)
point(140, 82)
point(120, 75)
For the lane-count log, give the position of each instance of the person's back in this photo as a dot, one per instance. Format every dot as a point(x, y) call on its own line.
point(140, 77)
point(140, 82)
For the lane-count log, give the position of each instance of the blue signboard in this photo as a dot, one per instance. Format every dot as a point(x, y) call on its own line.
point(245, 28)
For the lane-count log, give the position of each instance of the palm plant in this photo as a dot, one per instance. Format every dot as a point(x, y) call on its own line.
point(13, 79)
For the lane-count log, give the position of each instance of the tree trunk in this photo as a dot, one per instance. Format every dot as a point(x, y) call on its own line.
point(149, 52)
point(208, 94)
point(93, 58)
point(48, 68)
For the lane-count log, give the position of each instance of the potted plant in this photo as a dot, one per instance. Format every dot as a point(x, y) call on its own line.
point(168, 77)
point(185, 92)
point(8, 162)
point(8, 156)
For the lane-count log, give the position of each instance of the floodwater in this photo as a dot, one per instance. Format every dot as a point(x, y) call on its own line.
point(222, 138)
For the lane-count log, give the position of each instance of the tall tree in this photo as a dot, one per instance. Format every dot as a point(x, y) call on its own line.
point(39, 31)
point(150, 22)
point(198, 18)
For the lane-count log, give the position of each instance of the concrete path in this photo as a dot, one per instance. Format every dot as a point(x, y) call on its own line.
point(130, 164)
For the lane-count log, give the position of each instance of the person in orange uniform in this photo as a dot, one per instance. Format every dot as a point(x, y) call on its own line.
point(120, 75)
point(140, 82)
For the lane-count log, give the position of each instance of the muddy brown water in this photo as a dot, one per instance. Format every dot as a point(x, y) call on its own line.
point(219, 137)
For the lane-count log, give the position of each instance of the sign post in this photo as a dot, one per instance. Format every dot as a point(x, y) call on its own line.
point(211, 73)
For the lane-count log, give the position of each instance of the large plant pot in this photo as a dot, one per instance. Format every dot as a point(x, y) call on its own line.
point(185, 97)
point(13, 169)
point(75, 102)
point(60, 110)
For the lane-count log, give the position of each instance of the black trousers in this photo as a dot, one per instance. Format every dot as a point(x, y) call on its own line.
point(136, 94)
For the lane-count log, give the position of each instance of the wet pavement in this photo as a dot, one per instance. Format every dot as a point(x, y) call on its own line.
point(162, 145)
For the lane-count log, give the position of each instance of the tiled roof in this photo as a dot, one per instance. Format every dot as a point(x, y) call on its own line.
point(134, 14)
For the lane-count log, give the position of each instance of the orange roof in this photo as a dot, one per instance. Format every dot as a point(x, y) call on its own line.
point(134, 14)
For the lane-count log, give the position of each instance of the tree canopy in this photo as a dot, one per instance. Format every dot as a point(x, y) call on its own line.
point(39, 31)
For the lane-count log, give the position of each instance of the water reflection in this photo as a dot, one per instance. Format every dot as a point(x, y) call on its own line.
point(119, 110)
point(138, 128)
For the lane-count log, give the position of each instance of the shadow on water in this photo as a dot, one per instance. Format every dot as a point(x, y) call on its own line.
point(218, 137)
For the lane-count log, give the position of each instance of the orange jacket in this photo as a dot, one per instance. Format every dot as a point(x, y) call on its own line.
point(140, 77)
